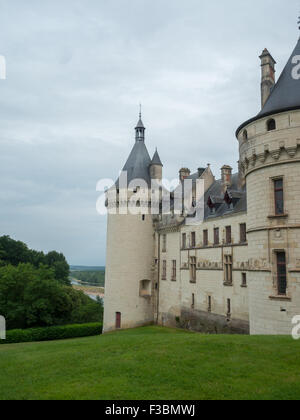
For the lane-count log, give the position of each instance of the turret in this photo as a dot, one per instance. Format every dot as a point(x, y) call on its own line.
point(270, 163)
point(156, 167)
point(130, 249)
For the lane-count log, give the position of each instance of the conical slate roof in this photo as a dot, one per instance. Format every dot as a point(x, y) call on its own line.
point(140, 123)
point(137, 165)
point(285, 95)
point(156, 159)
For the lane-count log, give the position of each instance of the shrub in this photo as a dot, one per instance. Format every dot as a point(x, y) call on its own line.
point(52, 333)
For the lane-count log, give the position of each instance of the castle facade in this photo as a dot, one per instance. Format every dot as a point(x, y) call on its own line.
point(238, 271)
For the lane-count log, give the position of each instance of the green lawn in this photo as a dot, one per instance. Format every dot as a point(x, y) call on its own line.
point(152, 363)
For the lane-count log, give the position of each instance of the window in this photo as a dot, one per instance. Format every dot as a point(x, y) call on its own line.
point(164, 244)
point(228, 308)
point(174, 270)
point(205, 238)
point(209, 304)
point(228, 269)
point(245, 135)
point(271, 125)
point(211, 205)
point(184, 241)
point(228, 235)
point(281, 273)
point(193, 239)
point(243, 233)
point(164, 270)
point(145, 288)
point(278, 195)
point(216, 236)
point(244, 280)
point(193, 300)
point(228, 200)
point(118, 320)
point(193, 269)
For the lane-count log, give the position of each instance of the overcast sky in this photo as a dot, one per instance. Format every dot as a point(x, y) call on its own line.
point(76, 72)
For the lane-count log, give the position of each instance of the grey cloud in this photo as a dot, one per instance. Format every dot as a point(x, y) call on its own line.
point(76, 73)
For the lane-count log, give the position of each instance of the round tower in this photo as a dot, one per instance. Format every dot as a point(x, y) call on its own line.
point(270, 163)
point(156, 167)
point(130, 245)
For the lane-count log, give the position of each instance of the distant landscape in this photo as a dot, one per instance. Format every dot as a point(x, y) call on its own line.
point(90, 276)
point(36, 290)
point(85, 268)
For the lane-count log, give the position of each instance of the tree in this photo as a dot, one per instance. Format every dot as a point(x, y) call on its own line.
point(32, 297)
point(60, 265)
point(16, 252)
point(13, 252)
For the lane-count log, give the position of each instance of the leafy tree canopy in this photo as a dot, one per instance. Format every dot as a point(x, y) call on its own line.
point(15, 252)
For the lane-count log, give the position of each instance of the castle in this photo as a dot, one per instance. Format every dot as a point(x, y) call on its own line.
point(239, 270)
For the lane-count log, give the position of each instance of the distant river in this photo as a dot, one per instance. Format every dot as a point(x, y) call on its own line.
point(91, 295)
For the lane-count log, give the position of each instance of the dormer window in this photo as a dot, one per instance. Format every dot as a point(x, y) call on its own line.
point(228, 199)
point(271, 125)
point(245, 135)
point(211, 205)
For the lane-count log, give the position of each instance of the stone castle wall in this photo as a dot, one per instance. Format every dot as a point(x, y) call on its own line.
point(185, 303)
point(266, 156)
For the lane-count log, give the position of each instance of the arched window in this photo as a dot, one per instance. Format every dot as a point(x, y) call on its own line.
point(271, 125)
point(245, 135)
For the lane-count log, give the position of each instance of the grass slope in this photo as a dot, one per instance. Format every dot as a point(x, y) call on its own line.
point(152, 363)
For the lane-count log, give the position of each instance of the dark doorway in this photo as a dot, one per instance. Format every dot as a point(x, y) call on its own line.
point(118, 320)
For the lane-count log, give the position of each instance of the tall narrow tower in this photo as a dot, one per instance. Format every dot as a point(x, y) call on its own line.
point(270, 160)
point(130, 248)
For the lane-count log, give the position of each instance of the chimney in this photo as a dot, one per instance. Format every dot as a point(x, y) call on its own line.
point(226, 171)
point(184, 173)
point(267, 75)
point(200, 172)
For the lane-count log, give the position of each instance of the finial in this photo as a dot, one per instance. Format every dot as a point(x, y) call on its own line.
point(299, 23)
point(140, 111)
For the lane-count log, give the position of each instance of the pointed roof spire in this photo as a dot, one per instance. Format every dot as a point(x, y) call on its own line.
point(156, 159)
point(140, 122)
point(140, 128)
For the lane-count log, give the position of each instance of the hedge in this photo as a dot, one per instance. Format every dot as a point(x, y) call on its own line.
point(52, 333)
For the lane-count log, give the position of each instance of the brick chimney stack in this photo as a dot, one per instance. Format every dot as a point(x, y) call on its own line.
point(184, 173)
point(267, 75)
point(226, 172)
